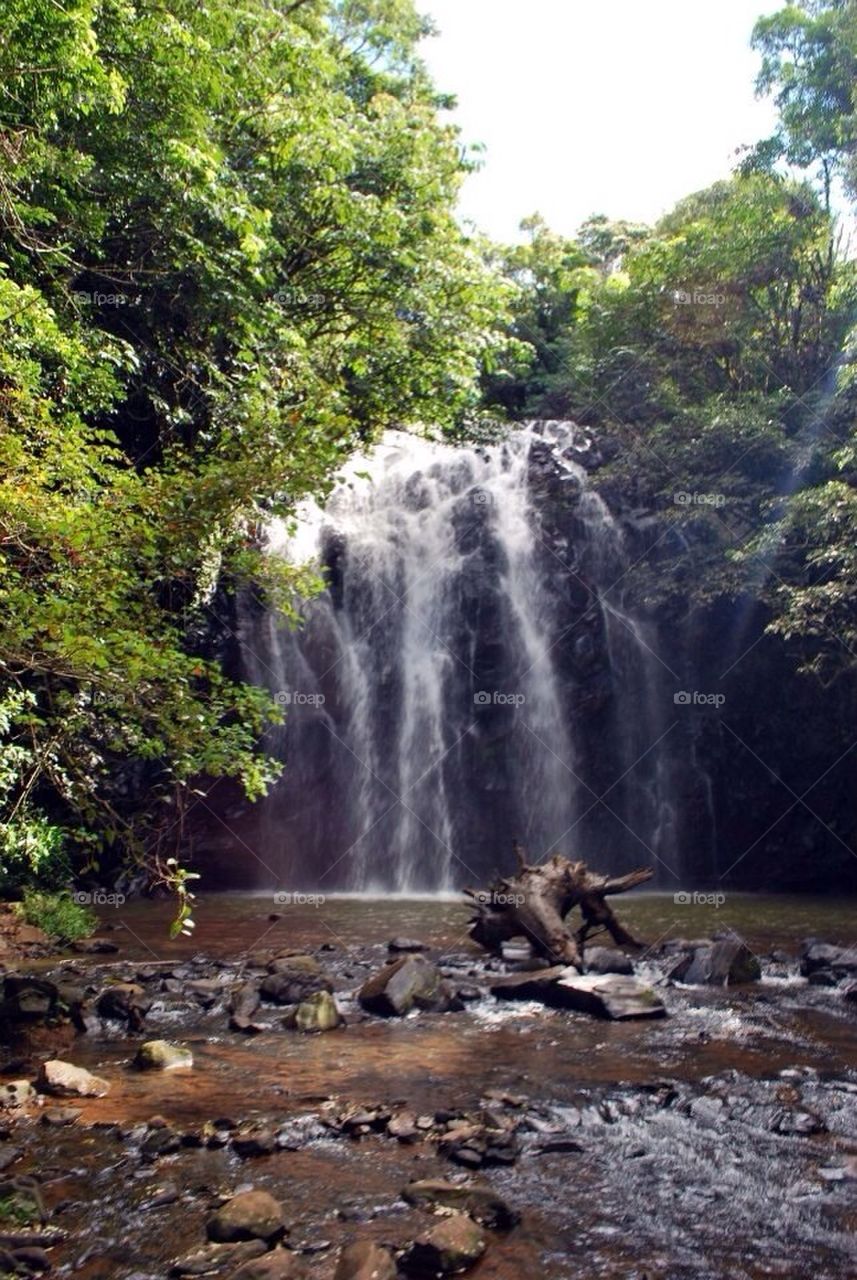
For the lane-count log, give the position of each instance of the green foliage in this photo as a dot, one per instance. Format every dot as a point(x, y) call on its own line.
point(711, 354)
point(809, 64)
point(227, 256)
point(58, 915)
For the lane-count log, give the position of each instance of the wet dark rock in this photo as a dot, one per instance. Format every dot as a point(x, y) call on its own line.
point(728, 962)
point(251, 1215)
point(94, 946)
point(27, 999)
point(454, 1245)
point(160, 1142)
point(822, 955)
point(607, 960)
point(32, 1258)
point(478, 1200)
point(293, 985)
point(558, 1146)
point(406, 984)
point(406, 944)
point(9, 1153)
point(848, 991)
point(254, 1142)
point(364, 1260)
point(124, 1002)
point(823, 978)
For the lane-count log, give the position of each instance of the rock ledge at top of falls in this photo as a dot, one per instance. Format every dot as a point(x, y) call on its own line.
point(611, 996)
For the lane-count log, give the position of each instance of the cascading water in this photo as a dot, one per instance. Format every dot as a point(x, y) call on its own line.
point(468, 677)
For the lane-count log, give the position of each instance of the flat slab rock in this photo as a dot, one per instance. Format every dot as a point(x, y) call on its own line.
point(611, 996)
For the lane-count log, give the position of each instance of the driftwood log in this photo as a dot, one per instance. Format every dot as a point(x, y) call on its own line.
point(535, 902)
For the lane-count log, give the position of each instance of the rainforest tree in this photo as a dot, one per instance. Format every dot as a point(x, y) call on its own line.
point(228, 256)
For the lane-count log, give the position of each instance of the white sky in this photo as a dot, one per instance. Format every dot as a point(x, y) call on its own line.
point(596, 106)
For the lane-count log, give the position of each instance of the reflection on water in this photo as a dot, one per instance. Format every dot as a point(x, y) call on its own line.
point(230, 924)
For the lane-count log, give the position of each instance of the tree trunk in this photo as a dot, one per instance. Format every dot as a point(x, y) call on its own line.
point(534, 904)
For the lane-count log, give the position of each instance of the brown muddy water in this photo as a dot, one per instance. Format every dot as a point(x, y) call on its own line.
point(718, 1142)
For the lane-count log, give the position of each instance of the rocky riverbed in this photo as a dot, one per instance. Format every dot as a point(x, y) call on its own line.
point(297, 1098)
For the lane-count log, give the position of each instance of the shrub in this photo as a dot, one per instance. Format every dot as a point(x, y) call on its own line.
point(58, 914)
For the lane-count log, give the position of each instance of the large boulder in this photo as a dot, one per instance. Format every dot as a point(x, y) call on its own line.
point(251, 1215)
point(728, 962)
point(603, 996)
point(64, 1080)
point(406, 984)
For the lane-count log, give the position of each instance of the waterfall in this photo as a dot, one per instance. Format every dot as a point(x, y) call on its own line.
point(469, 676)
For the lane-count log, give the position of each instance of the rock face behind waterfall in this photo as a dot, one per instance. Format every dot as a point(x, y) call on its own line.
point(469, 675)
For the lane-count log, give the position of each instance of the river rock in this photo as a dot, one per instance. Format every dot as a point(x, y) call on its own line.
point(477, 1199)
point(404, 985)
point(60, 1116)
point(318, 1013)
point(251, 1215)
point(821, 955)
point(162, 1055)
point(294, 979)
point(67, 1081)
point(27, 999)
point(16, 1093)
point(365, 1260)
point(452, 1246)
point(124, 1002)
point(726, 963)
point(243, 1003)
point(212, 1258)
point(608, 960)
point(604, 996)
point(280, 1264)
point(254, 1142)
point(406, 944)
